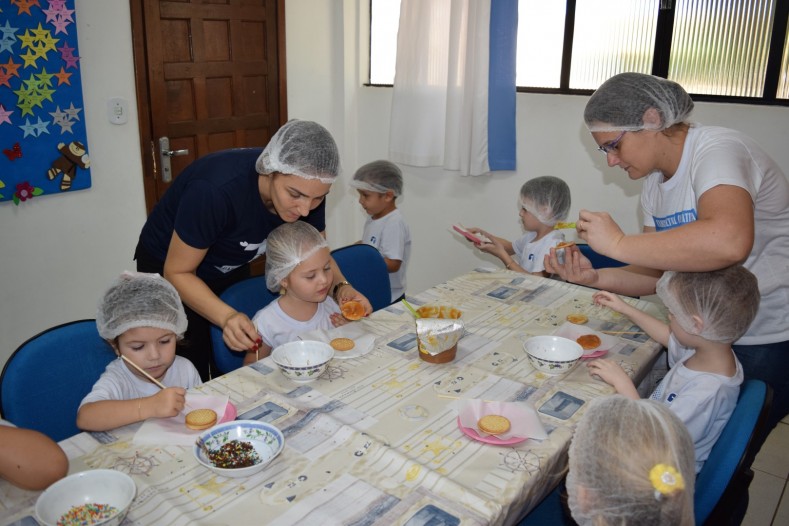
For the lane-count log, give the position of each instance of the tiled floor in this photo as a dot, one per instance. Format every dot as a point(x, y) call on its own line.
point(769, 491)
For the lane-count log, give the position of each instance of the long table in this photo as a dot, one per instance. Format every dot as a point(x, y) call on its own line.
point(375, 440)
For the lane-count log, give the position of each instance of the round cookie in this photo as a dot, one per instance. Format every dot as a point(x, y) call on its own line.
point(493, 424)
point(200, 419)
point(342, 344)
point(352, 310)
point(578, 319)
point(589, 341)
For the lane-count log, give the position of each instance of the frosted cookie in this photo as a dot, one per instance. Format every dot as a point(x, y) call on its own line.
point(342, 344)
point(352, 310)
point(200, 419)
point(589, 341)
point(493, 424)
point(578, 319)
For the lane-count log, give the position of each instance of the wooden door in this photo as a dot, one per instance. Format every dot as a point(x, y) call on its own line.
point(210, 75)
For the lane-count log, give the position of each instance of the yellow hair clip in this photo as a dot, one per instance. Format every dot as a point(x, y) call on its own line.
point(666, 480)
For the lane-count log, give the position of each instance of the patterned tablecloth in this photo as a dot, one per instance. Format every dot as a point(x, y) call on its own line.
point(375, 440)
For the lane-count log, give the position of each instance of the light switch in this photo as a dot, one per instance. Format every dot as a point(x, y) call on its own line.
point(118, 110)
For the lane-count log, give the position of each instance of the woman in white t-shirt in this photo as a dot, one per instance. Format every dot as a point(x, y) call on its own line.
point(711, 198)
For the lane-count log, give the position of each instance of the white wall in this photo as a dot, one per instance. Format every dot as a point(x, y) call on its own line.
point(59, 253)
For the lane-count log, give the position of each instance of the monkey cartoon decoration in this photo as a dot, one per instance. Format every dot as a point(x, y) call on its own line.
point(72, 156)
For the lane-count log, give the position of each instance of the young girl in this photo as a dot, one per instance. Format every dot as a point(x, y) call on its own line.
point(298, 265)
point(142, 318)
point(630, 462)
point(707, 312)
point(544, 202)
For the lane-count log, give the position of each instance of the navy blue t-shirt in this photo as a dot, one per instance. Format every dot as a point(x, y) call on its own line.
point(215, 204)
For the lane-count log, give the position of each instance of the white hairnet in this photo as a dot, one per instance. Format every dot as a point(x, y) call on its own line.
point(725, 300)
point(620, 446)
point(136, 299)
point(302, 148)
point(379, 176)
point(620, 102)
point(547, 198)
point(286, 247)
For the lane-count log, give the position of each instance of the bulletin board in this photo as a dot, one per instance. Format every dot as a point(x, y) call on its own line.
point(42, 122)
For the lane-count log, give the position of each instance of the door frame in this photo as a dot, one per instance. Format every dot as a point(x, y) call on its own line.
point(147, 141)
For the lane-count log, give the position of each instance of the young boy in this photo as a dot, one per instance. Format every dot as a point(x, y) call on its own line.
point(708, 311)
point(379, 183)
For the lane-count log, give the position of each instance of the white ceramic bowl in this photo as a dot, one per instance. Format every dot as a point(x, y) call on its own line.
point(303, 361)
point(98, 486)
point(553, 354)
point(267, 440)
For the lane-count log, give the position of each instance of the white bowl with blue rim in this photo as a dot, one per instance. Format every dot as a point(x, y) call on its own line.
point(553, 354)
point(102, 495)
point(303, 361)
point(266, 440)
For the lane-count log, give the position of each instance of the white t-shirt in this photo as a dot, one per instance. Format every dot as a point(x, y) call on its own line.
point(531, 254)
point(392, 237)
point(117, 382)
point(276, 327)
point(715, 156)
point(703, 401)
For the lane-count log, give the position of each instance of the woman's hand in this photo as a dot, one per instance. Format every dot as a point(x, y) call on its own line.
point(239, 333)
point(600, 231)
point(348, 293)
point(576, 268)
point(167, 402)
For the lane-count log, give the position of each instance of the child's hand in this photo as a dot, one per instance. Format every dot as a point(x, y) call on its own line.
point(608, 299)
point(168, 402)
point(612, 374)
point(338, 319)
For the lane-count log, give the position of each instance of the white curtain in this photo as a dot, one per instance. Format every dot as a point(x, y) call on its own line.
point(440, 98)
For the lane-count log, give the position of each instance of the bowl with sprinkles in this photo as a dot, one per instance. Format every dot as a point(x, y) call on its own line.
point(238, 448)
point(95, 497)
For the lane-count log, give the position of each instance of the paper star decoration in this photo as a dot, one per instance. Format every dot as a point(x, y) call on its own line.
point(25, 5)
point(63, 77)
point(39, 42)
point(67, 54)
point(9, 37)
point(63, 119)
point(5, 115)
point(59, 16)
point(37, 88)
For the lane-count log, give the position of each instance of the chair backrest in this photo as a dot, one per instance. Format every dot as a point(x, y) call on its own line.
point(47, 377)
point(723, 481)
point(247, 296)
point(364, 267)
point(599, 260)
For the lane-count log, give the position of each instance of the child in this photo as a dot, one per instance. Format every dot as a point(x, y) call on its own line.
point(298, 265)
point(29, 459)
point(630, 462)
point(707, 312)
point(142, 318)
point(379, 184)
point(544, 202)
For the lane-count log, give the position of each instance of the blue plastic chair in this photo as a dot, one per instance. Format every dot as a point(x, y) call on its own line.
point(722, 484)
point(364, 267)
point(47, 377)
point(599, 260)
point(247, 296)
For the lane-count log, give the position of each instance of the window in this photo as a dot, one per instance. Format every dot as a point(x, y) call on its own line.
point(717, 49)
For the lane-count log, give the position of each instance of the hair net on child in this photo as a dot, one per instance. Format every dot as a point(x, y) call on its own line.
point(631, 462)
point(380, 177)
point(136, 299)
point(286, 247)
point(725, 300)
point(620, 102)
point(547, 198)
point(302, 148)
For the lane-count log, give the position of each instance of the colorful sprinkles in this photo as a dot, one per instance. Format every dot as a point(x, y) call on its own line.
point(87, 514)
point(234, 454)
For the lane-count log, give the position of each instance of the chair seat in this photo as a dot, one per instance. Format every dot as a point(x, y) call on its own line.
point(365, 268)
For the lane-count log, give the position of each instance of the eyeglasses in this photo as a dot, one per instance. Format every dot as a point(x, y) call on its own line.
point(612, 145)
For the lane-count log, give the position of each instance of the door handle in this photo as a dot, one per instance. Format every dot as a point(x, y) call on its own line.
point(164, 158)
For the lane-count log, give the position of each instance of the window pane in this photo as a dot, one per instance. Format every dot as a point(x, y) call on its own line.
point(720, 47)
point(540, 41)
point(612, 36)
point(384, 21)
point(783, 79)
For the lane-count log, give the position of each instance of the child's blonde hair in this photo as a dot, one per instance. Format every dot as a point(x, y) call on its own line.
point(286, 247)
point(725, 301)
point(631, 462)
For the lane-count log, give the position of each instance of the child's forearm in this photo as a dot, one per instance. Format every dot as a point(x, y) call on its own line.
point(110, 414)
point(655, 329)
